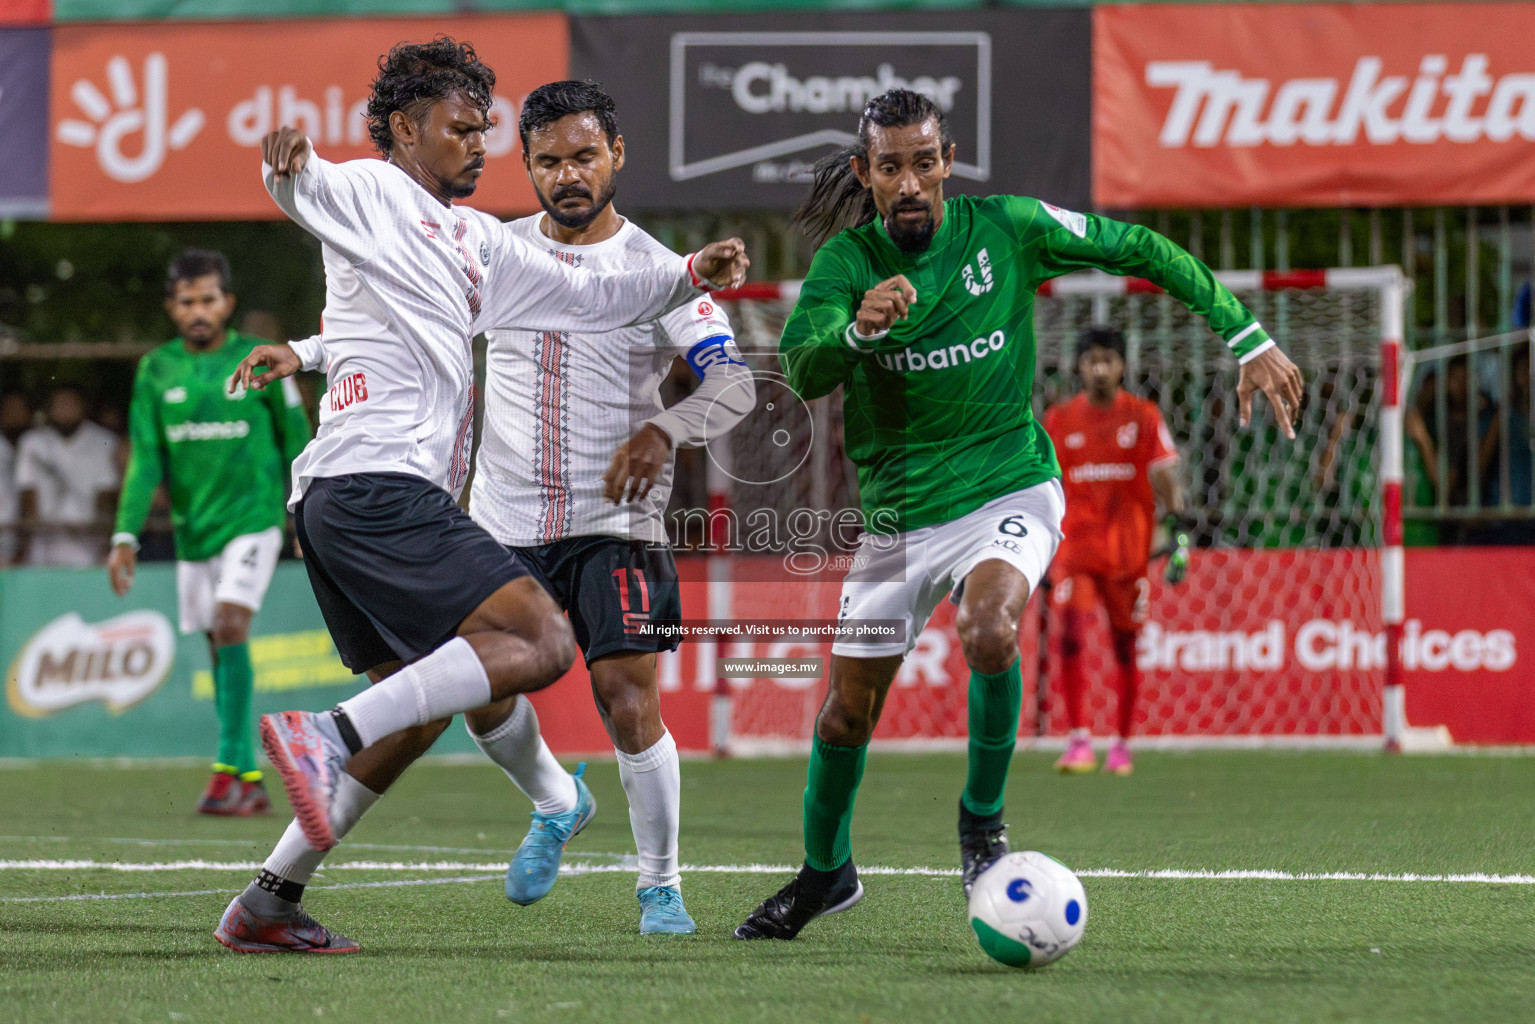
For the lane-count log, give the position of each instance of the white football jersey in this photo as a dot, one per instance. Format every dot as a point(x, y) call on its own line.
point(558, 403)
point(408, 284)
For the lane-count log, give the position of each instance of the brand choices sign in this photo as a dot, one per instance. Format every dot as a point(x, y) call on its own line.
point(70, 661)
point(165, 121)
point(736, 116)
point(1313, 104)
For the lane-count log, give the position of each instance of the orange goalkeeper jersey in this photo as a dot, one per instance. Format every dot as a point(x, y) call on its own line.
point(1106, 458)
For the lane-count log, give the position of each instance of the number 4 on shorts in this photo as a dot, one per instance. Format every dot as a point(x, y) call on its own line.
point(251, 558)
point(1013, 527)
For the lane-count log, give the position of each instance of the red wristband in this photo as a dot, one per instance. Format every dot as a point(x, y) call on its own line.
point(698, 282)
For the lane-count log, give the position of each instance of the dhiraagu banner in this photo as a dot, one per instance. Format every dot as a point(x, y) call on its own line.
point(90, 675)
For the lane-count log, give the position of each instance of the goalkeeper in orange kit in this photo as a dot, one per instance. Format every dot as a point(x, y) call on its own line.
point(1117, 463)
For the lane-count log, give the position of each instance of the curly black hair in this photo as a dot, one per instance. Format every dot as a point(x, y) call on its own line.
point(412, 76)
point(548, 103)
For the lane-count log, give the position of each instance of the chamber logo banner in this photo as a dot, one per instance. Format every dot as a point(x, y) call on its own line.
point(1313, 104)
point(69, 661)
point(736, 116)
point(762, 99)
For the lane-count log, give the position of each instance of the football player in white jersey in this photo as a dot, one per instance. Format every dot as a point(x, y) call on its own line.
point(573, 475)
point(417, 595)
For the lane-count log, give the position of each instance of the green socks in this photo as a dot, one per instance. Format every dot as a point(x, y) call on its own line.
point(833, 783)
point(995, 701)
point(233, 681)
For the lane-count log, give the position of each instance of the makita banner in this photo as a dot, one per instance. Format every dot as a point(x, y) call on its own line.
point(164, 121)
point(732, 112)
point(1313, 104)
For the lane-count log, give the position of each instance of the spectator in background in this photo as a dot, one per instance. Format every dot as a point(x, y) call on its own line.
point(1517, 422)
point(66, 473)
point(15, 418)
point(1454, 434)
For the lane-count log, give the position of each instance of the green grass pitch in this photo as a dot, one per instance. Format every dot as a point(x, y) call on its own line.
point(1156, 949)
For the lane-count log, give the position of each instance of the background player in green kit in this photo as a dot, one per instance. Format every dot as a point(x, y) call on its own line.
point(922, 311)
point(224, 459)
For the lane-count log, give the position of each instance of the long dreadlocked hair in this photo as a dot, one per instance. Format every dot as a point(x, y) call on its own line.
point(837, 201)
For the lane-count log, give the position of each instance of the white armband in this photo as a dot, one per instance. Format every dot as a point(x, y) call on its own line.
point(853, 336)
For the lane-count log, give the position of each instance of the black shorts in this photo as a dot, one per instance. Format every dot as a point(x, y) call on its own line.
point(620, 594)
point(395, 564)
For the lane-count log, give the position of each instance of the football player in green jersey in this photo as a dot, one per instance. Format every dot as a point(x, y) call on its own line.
point(224, 460)
point(921, 310)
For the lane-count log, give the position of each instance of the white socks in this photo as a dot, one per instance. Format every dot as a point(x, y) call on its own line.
point(293, 859)
point(446, 682)
point(521, 752)
point(653, 782)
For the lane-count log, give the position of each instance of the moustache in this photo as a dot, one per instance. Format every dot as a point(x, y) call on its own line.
point(911, 204)
point(475, 165)
point(570, 192)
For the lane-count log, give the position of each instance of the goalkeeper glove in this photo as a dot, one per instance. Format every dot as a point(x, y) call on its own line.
point(1177, 551)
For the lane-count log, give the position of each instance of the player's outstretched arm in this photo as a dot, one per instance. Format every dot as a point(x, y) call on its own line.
point(1271, 373)
point(819, 349)
point(722, 264)
point(530, 292)
point(1062, 242)
point(285, 152)
point(333, 202)
point(265, 364)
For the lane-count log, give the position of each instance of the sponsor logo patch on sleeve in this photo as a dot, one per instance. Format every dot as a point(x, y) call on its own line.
point(1073, 222)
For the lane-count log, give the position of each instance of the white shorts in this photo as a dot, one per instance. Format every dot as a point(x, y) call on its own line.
point(903, 577)
point(238, 575)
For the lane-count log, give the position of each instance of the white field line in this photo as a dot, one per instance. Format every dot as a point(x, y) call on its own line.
point(263, 843)
point(76, 897)
point(578, 868)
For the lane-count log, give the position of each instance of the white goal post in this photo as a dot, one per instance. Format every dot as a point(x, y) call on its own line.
point(1314, 315)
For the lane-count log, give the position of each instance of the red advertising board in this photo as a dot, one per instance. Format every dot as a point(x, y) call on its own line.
point(1281, 643)
point(1313, 104)
point(164, 121)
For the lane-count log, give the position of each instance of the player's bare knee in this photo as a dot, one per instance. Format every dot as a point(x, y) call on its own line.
point(556, 646)
point(231, 625)
point(842, 726)
point(989, 638)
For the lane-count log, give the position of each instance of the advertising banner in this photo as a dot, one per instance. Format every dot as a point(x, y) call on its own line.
point(164, 121)
point(731, 112)
point(1313, 104)
point(24, 122)
point(1254, 643)
point(1276, 643)
point(91, 675)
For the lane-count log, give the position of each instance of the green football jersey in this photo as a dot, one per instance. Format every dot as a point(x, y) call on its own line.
point(224, 458)
point(938, 415)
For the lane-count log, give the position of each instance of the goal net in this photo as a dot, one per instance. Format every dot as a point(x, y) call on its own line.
point(1278, 630)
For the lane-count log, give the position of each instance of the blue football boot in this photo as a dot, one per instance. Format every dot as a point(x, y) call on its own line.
point(536, 864)
point(662, 912)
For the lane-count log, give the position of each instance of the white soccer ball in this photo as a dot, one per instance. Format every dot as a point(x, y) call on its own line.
point(1028, 910)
